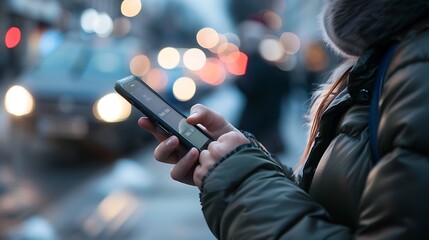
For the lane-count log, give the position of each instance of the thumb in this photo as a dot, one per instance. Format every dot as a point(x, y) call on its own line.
point(212, 121)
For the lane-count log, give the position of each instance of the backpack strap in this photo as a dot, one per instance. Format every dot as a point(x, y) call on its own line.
point(374, 105)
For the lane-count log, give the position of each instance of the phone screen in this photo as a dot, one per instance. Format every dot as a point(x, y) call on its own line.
point(167, 113)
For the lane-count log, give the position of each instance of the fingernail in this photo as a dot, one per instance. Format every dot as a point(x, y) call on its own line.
point(193, 152)
point(193, 115)
point(170, 142)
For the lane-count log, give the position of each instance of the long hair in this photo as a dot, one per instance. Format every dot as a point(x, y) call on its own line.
point(320, 102)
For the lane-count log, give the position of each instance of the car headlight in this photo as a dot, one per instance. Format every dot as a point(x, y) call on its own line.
point(112, 108)
point(18, 101)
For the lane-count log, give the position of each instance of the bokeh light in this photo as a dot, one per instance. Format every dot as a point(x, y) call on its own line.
point(116, 205)
point(13, 37)
point(290, 42)
point(273, 20)
point(233, 38)
point(100, 23)
point(87, 19)
point(157, 79)
point(207, 38)
point(271, 49)
point(19, 101)
point(184, 88)
point(112, 108)
point(194, 59)
point(238, 64)
point(140, 65)
point(103, 25)
point(169, 58)
point(130, 8)
point(49, 41)
point(222, 40)
point(316, 58)
point(226, 49)
point(213, 72)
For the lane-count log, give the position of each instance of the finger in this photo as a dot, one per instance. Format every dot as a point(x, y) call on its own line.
point(198, 179)
point(185, 166)
point(233, 138)
point(201, 170)
point(211, 120)
point(167, 151)
point(213, 148)
point(152, 128)
point(206, 161)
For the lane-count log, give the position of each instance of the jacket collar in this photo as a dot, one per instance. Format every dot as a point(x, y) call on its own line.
point(360, 80)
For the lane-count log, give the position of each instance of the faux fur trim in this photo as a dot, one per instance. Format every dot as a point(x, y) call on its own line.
point(352, 26)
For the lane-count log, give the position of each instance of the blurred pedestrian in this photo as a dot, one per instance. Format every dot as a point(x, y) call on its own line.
point(344, 191)
point(263, 87)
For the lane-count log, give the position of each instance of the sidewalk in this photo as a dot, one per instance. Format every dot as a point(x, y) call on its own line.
point(135, 197)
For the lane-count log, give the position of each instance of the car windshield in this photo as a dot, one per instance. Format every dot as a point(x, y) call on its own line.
point(106, 64)
point(84, 63)
point(62, 61)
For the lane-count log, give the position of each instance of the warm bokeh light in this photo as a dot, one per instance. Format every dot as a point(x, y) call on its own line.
point(18, 101)
point(13, 37)
point(184, 88)
point(140, 65)
point(119, 204)
point(226, 50)
point(271, 49)
point(213, 72)
point(194, 59)
point(130, 8)
point(207, 38)
point(168, 58)
point(233, 38)
point(238, 64)
point(290, 42)
point(315, 57)
point(112, 108)
point(273, 20)
point(222, 40)
point(157, 79)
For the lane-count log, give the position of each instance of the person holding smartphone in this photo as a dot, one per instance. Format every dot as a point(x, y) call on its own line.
point(338, 191)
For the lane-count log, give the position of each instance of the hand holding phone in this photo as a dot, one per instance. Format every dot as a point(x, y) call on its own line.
point(157, 109)
point(186, 162)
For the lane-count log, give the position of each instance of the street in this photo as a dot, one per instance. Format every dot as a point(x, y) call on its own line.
point(130, 198)
point(58, 65)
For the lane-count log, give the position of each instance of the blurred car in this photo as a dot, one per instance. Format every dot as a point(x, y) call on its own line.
point(66, 104)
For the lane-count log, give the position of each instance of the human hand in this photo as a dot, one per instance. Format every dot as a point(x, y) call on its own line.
point(170, 151)
point(215, 151)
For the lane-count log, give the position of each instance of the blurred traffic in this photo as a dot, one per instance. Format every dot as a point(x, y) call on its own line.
point(75, 165)
point(65, 102)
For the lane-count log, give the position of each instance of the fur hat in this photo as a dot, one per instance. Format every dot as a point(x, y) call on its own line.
point(352, 26)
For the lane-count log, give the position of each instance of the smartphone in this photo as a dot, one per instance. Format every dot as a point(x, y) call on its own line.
point(156, 108)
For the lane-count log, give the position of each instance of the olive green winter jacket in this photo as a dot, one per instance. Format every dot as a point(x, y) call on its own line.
point(343, 195)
